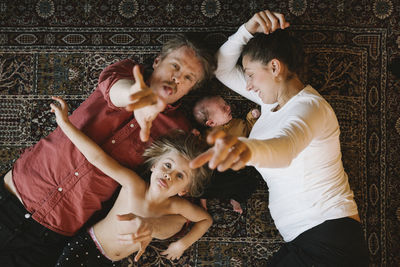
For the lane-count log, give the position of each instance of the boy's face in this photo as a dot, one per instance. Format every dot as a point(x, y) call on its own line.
point(176, 74)
point(219, 112)
point(171, 174)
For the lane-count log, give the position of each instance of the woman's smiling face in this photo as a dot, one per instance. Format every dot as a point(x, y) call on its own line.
point(260, 79)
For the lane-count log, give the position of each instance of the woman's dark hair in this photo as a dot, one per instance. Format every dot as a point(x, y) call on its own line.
point(277, 45)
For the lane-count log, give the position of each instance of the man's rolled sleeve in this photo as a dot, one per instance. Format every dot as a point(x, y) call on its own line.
point(113, 73)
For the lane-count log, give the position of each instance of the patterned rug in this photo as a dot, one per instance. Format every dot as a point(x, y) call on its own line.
point(59, 48)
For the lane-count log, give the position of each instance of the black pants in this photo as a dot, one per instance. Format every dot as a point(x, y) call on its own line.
point(23, 241)
point(338, 242)
point(82, 251)
point(237, 185)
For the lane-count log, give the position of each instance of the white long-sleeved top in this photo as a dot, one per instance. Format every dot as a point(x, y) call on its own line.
point(296, 149)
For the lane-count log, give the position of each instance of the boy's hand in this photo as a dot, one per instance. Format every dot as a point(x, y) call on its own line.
point(266, 22)
point(61, 110)
point(135, 229)
point(174, 250)
point(228, 152)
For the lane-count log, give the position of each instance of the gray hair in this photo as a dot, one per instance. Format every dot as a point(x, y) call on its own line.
point(205, 56)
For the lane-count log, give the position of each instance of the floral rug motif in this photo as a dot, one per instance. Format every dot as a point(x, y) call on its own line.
point(50, 47)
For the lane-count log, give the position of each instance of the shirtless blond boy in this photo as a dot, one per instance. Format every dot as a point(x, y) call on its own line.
point(171, 177)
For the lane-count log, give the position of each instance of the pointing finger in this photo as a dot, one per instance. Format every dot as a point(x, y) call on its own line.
point(214, 135)
point(138, 76)
point(201, 159)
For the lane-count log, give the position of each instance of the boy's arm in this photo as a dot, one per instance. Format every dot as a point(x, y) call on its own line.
point(92, 151)
point(193, 213)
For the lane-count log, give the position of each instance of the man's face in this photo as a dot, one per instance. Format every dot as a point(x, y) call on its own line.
point(219, 112)
point(176, 74)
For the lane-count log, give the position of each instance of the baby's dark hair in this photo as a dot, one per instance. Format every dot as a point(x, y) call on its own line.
point(189, 146)
point(200, 111)
point(277, 45)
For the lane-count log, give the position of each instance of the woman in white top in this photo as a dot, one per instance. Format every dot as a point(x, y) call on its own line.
point(294, 145)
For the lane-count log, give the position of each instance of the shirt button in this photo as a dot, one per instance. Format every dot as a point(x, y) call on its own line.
point(27, 215)
point(59, 189)
point(113, 141)
point(76, 173)
point(132, 125)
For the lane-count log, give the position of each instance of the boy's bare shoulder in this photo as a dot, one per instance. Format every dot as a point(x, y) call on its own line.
point(178, 203)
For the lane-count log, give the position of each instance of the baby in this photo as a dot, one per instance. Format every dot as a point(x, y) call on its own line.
point(171, 177)
point(214, 112)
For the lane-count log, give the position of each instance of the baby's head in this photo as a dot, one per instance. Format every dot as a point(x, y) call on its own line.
point(169, 158)
point(212, 111)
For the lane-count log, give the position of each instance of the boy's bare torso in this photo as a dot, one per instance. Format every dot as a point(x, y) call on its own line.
point(107, 230)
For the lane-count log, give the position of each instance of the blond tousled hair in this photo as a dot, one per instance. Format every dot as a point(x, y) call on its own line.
point(189, 146)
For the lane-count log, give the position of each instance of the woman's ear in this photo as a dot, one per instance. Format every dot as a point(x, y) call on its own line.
point(276, 67)
point(152, 168)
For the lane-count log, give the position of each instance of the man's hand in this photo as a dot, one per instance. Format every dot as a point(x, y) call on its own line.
point(140, 94)
point(145, 104)
point(174, 250)
point(228, 152)
point(145, 117)
point(135, 229)
point(266, 22)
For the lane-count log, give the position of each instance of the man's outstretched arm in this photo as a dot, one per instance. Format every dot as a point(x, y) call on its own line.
point(136, 96)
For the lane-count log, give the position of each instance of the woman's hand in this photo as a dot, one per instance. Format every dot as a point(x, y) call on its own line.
point(228, 152)
point(266, 22)
point(61, 110)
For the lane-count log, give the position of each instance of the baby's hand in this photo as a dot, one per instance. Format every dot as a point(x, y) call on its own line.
point(174, 251)
point(256, 113)
point(195, 132)
point(61, 111)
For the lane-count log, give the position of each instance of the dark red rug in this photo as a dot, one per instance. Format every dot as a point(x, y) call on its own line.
point(59, 48)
